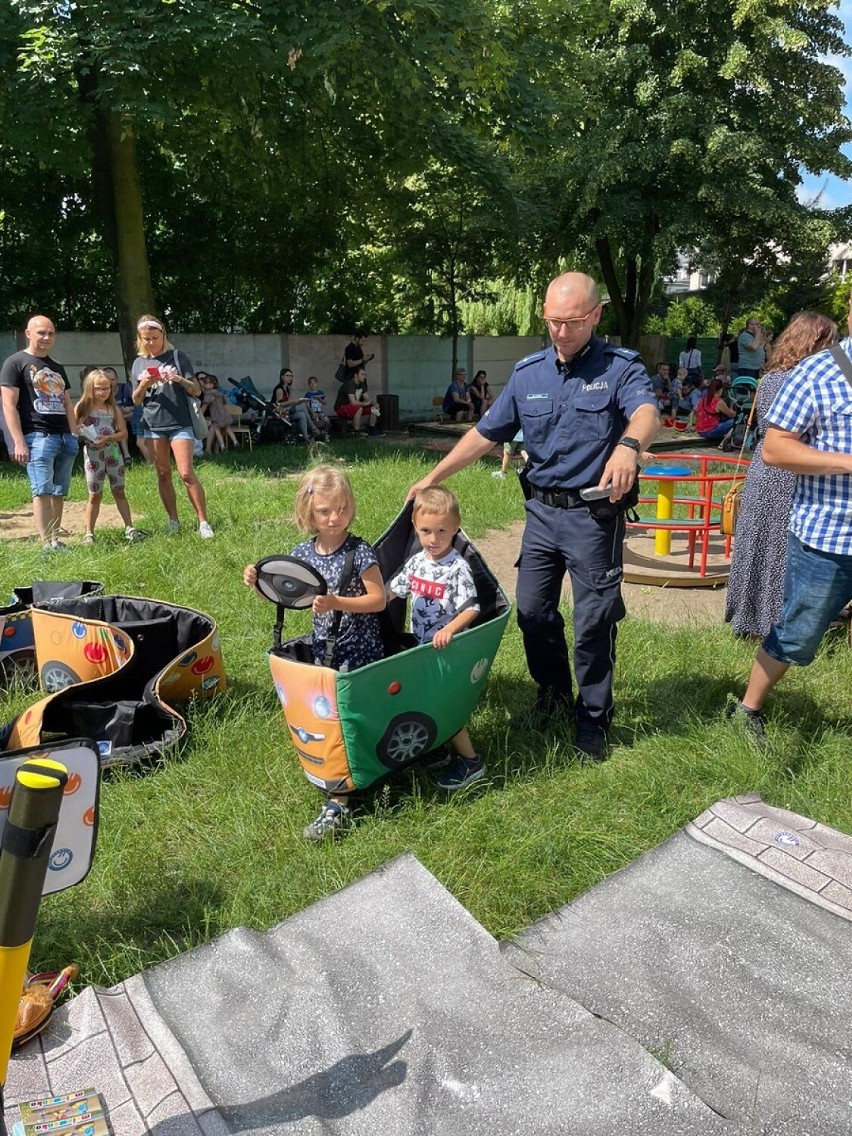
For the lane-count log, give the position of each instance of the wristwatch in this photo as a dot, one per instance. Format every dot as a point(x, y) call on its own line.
point(631, 443)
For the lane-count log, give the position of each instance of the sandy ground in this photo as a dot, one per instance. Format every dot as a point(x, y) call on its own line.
point(20, 524)
point(672, 606)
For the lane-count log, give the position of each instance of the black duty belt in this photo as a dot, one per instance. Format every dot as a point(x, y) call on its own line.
point(557, 498)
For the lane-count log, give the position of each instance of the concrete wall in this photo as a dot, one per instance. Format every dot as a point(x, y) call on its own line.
point(415, 368)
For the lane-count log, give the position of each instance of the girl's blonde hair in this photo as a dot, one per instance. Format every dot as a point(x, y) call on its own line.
point(331, 482)
point(87, 398)
point(141, 349)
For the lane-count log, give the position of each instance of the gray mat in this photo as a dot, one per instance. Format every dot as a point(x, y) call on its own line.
point(383, 1009)
point(701, 990)
point(741, 986)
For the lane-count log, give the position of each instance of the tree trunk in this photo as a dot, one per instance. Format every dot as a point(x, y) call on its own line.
point(610, 277)
point(133, 292)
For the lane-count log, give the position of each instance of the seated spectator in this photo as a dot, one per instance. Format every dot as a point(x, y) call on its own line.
point(685, 396)
point(661, 383)
point(315, 401)
point(293, 409)
point(713, 417)
point(215, 406)
point(480, 393)
point(348, 404)
point(124, 402)
point(457, 402)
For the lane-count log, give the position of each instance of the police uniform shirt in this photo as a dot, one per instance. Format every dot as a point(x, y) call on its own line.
point(572, 414)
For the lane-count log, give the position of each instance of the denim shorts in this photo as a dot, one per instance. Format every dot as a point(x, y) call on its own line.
point(51, 459)
point(816, 587)
point(174, 434)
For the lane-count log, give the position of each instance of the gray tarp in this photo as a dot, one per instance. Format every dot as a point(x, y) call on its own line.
point(386, 1009)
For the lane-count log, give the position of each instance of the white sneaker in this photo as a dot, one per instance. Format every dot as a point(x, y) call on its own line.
point(173, 527)
point(133, 534)
point(89, 538)
point(205, 531)
point(499, 473)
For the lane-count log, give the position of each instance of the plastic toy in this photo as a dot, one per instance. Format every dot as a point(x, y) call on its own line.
point(351, 728)
point(108, 664)
point(17, 646)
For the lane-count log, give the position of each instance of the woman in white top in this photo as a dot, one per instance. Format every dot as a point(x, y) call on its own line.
point(690, 358)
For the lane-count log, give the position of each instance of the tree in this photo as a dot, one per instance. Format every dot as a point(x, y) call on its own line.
point(683, 132)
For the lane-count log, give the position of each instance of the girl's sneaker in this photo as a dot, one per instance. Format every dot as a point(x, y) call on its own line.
point(173, 527)
point(205, 530)
point(333, 818)
point(461, 772)
point(133, 534)
point(89, 538)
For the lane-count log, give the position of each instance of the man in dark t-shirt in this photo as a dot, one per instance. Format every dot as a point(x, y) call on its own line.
point(40, 419)
point(353, 354)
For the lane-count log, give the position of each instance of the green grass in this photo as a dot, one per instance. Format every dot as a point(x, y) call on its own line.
point(210, 838)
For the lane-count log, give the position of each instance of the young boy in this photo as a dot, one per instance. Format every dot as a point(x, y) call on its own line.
point(512, 449)
point(443, 593)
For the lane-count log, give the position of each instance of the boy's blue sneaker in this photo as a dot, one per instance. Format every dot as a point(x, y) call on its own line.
point(333, 818)
point(461, 772)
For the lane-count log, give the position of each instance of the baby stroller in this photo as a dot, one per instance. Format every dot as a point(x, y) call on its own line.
point(269, 426)
point(350, 729)
point(741, 396)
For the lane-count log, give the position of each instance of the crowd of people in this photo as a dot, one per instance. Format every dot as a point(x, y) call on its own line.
point(172, 414)
point(583, 411)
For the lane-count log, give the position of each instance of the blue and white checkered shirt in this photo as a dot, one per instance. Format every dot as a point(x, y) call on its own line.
point(815, 402)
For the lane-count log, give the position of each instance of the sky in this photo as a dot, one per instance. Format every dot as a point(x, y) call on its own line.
point(835, 192)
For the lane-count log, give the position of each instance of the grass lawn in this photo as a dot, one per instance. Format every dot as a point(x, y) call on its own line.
point(210, 837)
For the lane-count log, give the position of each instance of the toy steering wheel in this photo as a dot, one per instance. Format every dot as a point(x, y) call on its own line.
point(288, 581)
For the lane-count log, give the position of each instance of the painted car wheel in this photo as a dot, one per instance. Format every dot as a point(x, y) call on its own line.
point(20, 665)
point(407, 736)
point(56, 676)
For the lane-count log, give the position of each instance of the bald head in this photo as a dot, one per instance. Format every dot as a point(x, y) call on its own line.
point(572, 308)
point(570, 287)
point(40, 334)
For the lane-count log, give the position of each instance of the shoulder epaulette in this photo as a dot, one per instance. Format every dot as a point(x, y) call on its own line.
point(622, 352)
point(536, 357)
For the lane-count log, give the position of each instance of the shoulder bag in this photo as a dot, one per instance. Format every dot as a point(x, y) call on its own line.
point(731, 500)
point(196, 414)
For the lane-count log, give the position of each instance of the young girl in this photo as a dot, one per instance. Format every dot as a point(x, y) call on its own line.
point(325, 507)
point(215, 405)
point(102, 430)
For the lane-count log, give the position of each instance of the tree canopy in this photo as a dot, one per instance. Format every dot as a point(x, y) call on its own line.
point(259, 166)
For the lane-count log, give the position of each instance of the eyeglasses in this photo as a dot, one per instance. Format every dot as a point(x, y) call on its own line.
point(556, 324)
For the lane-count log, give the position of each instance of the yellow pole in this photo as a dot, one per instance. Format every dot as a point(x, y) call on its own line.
point(24, 855)
point(665, 511)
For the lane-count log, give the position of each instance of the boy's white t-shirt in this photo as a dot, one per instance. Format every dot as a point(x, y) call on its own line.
point(440, 589)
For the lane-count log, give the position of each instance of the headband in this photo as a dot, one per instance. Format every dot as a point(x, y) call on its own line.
point(154, 324)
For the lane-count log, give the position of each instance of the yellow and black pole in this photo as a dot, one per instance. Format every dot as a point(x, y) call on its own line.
point(24, 855)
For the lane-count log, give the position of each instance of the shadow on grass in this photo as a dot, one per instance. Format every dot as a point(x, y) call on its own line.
point(151, 923)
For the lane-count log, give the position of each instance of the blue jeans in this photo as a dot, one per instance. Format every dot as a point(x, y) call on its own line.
point(816, 586)
point(51, 459)
point(719, 430)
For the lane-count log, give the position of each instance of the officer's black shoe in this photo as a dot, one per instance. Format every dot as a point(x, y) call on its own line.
point(590, 742)
point(551, 708)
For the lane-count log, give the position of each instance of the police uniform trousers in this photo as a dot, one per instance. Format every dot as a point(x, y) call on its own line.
point(557, 541)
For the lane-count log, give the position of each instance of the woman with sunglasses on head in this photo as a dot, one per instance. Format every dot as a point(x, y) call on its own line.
point(163, 382)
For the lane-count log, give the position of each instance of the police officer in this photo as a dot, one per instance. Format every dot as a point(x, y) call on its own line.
point(586, 409)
